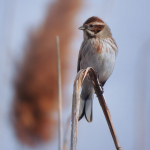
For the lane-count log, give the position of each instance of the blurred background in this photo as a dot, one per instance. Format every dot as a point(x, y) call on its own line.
point(28, 73)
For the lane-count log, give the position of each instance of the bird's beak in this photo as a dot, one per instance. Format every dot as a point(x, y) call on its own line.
point(81, 28)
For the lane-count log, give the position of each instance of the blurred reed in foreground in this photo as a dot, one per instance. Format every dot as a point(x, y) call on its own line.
point(35, 102)
point(142, 78)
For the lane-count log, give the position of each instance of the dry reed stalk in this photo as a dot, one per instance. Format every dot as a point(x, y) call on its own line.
point(66, 133)
point(59, 95)
point(76, 103)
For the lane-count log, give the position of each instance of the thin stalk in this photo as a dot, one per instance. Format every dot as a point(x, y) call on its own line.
point(59, 95)
point(105, 109)
point(75, 109)
point(65, 144)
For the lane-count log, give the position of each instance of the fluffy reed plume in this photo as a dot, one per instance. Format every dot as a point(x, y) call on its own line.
point(36, 99)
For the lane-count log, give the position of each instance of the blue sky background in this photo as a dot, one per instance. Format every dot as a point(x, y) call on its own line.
point(126, 91)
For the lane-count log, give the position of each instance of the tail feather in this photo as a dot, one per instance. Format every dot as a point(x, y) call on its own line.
point(82, 109)
point(88, 110)
point(86, 100)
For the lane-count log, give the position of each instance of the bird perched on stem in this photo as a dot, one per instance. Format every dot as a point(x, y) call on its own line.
point(98, 50)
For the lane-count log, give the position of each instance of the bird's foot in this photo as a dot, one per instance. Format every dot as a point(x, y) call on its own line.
point(97, 74)
point(101, 88)
point(100, 85)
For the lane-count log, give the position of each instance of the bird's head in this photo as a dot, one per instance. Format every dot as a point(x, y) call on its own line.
point(95, 27)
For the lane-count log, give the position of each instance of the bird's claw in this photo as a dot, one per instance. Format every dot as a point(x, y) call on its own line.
point(101, 88)
point(97, 74)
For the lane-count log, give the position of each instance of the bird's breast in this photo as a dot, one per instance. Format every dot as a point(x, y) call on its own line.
point(100, 54)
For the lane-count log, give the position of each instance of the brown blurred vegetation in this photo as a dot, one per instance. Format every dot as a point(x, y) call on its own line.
point(35, 104)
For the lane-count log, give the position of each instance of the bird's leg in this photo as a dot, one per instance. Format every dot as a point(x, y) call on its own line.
point(100, 85)
point(97, 74)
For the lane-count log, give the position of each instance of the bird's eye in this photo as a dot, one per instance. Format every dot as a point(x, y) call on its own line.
point(91, 25)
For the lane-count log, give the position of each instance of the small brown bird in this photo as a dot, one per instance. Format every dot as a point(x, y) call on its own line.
point(98, 50)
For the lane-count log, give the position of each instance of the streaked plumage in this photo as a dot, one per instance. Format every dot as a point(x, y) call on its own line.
point(98, 50)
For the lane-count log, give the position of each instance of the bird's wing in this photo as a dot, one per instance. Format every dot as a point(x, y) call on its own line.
point(79, 57)
point(78, 63)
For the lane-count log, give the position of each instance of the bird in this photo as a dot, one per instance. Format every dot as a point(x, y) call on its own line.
point(98, 50)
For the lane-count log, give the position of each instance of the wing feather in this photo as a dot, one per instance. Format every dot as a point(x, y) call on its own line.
point(80, 57)
point(78, 63)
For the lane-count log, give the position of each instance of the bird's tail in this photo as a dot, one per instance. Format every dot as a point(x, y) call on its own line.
point(86, 103)
point(86, 109)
